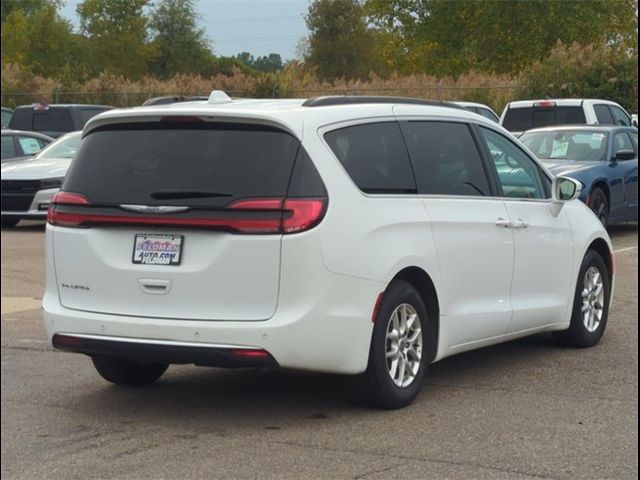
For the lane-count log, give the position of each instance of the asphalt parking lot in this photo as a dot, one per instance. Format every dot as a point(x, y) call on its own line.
point(527, 409)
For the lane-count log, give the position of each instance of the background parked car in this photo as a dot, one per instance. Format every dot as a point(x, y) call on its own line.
point(7, 113)
point(18, 145)
point(54, 120)
point(481, 109)
point(603, 158)
point(27, 187)
point(523, 115)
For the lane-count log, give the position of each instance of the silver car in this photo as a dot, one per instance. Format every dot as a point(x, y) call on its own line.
point(28, 185)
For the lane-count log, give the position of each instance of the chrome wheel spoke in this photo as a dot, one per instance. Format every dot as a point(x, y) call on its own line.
point(403, 347)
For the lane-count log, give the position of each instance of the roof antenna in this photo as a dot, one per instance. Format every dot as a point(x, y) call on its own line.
point(218, 97)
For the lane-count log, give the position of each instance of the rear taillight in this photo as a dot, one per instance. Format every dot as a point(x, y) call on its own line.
point(256, 215)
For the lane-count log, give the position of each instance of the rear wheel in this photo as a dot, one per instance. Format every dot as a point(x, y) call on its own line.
point(8, 222)
point(123, 371)
point(397, 357)
point(600, 205)
point(590, 305)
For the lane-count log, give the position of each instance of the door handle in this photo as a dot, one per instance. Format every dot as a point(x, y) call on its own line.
point(520, 223)
point(502, 223)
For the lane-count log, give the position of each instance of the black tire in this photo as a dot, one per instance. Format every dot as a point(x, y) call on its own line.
point(577, 335)
point(8, 222)
point(123, 371)
point(600, 205)
point(377, 387)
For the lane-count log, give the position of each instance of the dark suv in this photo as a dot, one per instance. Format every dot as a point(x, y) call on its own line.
point(54, 120)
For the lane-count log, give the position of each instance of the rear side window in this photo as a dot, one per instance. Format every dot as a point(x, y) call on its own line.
point(374, 156)
point(445, 158)
point(526, 118)
point(8, 147)
point(603, 115)
point(52, 120)
point(22, 119)
point(208, 165)
point(486, 113)
point(620, 117)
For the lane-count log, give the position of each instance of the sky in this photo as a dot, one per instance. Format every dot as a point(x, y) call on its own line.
point(256, 26)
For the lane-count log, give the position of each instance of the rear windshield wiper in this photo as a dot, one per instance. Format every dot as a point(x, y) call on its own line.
point(177, 194)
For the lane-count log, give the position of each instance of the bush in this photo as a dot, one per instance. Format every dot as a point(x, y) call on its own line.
point(584, 71)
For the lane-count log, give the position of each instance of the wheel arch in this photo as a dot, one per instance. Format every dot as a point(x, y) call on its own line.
point(603, 185)
point(602, 247)
point(423, 283)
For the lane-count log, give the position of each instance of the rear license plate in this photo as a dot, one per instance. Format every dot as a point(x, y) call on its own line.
point(155, 249)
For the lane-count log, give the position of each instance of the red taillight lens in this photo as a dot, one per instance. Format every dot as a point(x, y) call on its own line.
point(65, 198)
point(286, 216)
point(305, 214)
point(249, 353)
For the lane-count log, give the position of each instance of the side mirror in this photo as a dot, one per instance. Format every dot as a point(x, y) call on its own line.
point(634, 120)
point(563, 189)
point(623, 155)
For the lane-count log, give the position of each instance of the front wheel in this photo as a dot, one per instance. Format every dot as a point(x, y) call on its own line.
point(590, 305)
point(397, 356)
point(123, 371)
point(600, 205)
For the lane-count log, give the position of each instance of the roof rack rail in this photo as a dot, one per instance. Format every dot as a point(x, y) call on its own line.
point(333, 100)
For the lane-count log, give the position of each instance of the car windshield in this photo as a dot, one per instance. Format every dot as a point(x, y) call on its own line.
point(65, 147)
point(582, 145)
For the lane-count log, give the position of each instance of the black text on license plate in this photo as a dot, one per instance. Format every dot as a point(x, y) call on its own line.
point(157, 249)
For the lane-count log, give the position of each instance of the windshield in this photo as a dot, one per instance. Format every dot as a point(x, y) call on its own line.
point(583, 145)
point(65, 147)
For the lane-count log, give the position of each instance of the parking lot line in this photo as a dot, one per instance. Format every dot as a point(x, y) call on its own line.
point(627, 249)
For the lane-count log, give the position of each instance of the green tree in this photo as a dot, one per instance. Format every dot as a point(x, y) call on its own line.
point(179, 45)
point(39, 40)
point(340, 42)
point(502, 36)
point(268, 63)
point(28, 7)
point(116, 36)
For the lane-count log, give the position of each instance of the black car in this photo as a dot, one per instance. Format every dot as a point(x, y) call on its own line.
point(54, 120)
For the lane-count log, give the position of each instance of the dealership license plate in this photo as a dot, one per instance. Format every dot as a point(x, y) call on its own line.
point(155, 249)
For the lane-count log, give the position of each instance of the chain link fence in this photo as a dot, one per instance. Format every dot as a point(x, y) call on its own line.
point(495, 96)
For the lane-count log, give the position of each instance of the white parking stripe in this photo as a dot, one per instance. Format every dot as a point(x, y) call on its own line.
point(628, 249)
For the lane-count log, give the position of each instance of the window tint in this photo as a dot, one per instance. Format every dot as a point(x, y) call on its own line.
point(374, 156)
point(603, 115)
point(8, 147)
point(526, 118)
point(52, 120)
point(622, 141)
point(518, 175)
point(30, 145)
point(200, 164)
point(485, 112)
point(445, 158)
point(634, 139)
point(620, 117)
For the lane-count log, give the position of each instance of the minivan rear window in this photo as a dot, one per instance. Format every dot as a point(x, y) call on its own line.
point(526, 118)
point(199, 164)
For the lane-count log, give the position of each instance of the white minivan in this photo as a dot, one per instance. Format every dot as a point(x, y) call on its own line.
point(367, 236)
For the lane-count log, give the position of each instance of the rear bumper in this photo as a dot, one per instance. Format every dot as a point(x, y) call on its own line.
point(229, 356)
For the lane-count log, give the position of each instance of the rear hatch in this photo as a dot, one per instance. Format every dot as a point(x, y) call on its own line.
point(181, 218)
